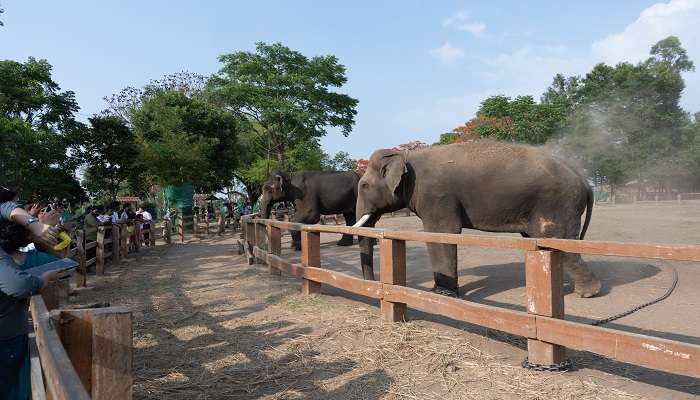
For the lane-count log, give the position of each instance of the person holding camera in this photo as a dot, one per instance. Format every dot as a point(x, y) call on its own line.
point(16, 287)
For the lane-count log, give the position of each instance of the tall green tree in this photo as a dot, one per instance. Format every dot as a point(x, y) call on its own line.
point(625, 121)
point(186, 139)
point(37, 123)
point(289, 97)
point(109, 152)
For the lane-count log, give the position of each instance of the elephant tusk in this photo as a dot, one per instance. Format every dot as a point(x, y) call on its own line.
point(361, 221)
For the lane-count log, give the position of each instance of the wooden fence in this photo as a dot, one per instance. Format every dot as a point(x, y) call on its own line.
point(111, 244)
point(547, 333)
point(79, 354)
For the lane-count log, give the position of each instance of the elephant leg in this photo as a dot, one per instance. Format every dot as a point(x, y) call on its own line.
point(303, 215)
point(586, 284)
point(444, 256)
point(346, 240)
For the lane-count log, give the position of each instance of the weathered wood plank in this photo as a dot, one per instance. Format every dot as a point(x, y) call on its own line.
point(637, 250)
point(392, 271)
point(545, 296)
point(111, 354)
point(496, 242)
point(345, 282)
point(286, 266)
point(366, 232)
point(62, 381)
point(515, 322)
point(310, 257)
point(36, 375)
point(291, 226)
point(667, 355)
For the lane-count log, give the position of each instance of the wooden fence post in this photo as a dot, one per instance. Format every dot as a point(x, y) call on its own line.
point(679, 199)
point(166, 232)
point(274, 240)
point(99, 344)
point(310, 257)
point(123, 240)
point(195, 224)
point(138, 231)
point(393, 271)
point(249, 242)
point(81, 278)
point(545, 296)
point(181, 229)
point(116, 243)
point(220, 222)
point(206, 221)
point(100, 251)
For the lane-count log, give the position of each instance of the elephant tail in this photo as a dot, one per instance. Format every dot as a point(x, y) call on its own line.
point(589, 212)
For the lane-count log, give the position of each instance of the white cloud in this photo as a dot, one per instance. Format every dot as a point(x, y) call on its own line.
point(461, 21)
point(677, 17)
point(448, 53)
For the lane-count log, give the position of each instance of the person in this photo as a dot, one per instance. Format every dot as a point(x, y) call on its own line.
point(146, 218)
point(16, 287)
point(115, 213)
point(91, 223)
point(13, 237)
point(102, 215)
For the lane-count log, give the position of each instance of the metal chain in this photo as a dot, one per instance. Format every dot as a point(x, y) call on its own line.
point(647, 304)
point(565, 365)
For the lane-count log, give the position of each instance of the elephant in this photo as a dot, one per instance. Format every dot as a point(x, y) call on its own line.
point(478, 184)
point(314, 193)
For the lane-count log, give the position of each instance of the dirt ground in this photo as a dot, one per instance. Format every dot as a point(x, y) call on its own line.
point(209, 326)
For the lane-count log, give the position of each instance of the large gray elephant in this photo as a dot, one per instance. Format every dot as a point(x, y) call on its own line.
point(479, 184)
point(314, 193)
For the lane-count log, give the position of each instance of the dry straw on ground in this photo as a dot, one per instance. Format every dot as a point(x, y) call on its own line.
point(207, 329)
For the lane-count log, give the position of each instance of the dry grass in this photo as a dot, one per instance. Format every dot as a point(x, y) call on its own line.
point(225, 330)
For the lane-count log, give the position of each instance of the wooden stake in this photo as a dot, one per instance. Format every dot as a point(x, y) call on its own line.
point(393, 271)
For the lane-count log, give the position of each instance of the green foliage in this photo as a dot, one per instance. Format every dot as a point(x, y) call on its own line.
point(36, 126)
point(341, 161)
point(286, 94)
point(625, 121)
point(109, 153)
point(186, 139)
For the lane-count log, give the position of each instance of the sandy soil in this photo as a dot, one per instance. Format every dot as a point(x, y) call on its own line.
point(209, 326)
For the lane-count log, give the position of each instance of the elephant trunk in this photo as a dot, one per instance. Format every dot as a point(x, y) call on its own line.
point(265, 207)
point(367, 248)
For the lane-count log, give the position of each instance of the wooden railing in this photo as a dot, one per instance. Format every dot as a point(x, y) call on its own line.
point(80, 354)
point(543, 324)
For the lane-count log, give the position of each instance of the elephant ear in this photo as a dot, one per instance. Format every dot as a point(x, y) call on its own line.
point(393, 169)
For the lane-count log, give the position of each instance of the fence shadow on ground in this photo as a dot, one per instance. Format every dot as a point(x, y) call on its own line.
point(186, 349)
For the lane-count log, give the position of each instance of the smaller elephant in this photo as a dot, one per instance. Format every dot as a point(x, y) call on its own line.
point(314, 193)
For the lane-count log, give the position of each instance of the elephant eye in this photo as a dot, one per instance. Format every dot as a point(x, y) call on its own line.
point(364, 185)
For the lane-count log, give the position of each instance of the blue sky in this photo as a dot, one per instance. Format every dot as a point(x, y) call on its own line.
point(418, 68)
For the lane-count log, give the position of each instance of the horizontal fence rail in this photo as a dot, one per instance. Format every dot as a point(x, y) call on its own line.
point(543, 324)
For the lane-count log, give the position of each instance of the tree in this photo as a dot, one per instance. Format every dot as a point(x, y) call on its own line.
point(625, 121)
point(186, 139)
point(36, 125)
point(518, 120)
point(109, 153)
point(287, 95)
point(341, 161)
point(123, 103)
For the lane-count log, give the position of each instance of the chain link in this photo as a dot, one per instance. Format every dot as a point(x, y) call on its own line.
point(565, 365)
point(647, 304)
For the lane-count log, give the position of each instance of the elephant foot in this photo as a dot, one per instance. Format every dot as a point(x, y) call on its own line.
point(588, 289)
point(444, 291)
point(345, 241)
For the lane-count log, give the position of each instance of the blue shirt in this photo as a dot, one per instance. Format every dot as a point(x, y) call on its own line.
point(16, 287)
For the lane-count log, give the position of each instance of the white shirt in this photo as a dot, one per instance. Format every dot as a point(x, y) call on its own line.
point(103, 218)
point(146, 216)
point(115, 217)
